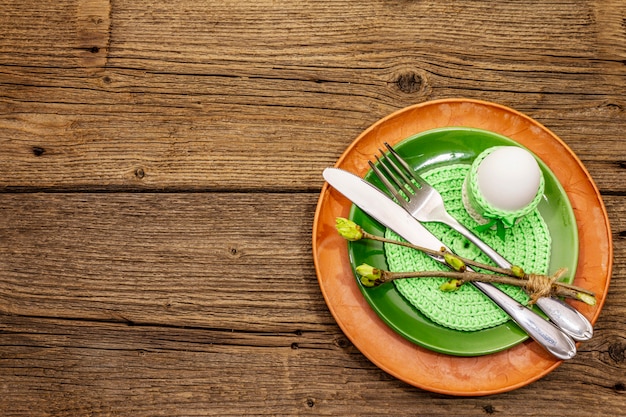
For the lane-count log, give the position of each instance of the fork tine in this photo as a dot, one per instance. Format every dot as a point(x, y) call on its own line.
point(389, 174)
point(406, 167)
point(388, 185)
point(406, 184)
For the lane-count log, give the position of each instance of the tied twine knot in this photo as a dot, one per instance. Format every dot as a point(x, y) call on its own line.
point(541, 285)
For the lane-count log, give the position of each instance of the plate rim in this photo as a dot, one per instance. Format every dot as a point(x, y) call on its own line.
point(453, 375)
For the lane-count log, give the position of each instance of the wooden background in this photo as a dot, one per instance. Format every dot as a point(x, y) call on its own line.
point(160, 164)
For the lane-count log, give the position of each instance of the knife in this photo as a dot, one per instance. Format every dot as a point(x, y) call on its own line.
point(387, 212)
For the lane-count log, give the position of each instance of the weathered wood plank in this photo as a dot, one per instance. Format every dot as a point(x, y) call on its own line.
point(166, 371)
point(212, 260)
point(66, 368)
point(180, 96)
point(125, 317)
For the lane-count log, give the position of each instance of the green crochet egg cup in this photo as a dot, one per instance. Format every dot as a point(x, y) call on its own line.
point(481, 210)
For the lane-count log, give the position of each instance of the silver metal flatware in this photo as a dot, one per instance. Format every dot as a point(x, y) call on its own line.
point(426, 204)
point(383, 209)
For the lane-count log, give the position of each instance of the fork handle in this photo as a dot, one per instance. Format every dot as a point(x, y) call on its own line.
point(567, 318)
point(480, 244)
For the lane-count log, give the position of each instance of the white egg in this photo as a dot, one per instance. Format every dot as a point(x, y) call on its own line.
point(509, 178)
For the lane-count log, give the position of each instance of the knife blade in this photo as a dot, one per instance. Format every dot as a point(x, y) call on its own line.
point(387, 212)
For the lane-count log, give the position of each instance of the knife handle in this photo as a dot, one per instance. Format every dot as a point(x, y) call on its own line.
point(542, 331)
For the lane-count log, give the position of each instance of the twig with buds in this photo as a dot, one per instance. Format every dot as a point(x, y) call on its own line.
point(536, 285)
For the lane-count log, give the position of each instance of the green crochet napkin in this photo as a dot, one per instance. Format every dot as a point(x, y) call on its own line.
point(526, 244)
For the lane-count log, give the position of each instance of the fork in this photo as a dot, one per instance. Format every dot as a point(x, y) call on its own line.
point(426, 205)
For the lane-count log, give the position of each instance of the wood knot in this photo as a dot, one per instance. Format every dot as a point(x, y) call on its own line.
point(409, 82)
point(234, 252)
point(140, 173)
point(310, 402)
point(489, 409)
point(343, 343)
point(38, 150)
point(93, 24)
point(617, 352)
point(614, 107)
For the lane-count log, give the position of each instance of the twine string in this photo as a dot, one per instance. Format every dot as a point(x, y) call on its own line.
point(541, 285)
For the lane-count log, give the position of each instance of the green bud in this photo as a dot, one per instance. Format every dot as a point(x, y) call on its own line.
point(367, 282)
point(518, 271)
point(454, 261)
point(451, 285)
point(369, 272)
point(586, 298)
point(348, 229)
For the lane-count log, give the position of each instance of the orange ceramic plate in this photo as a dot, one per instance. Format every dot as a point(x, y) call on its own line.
point(454, 375)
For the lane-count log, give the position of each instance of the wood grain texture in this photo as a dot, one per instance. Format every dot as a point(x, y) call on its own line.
point(151, 304)
point(160, 165)
point(186, 93)
point(174, 259)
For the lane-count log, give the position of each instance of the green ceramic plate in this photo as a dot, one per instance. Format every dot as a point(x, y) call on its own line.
point(450, 146)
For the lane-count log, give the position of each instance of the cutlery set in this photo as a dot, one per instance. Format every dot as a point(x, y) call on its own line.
point(415, 201)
